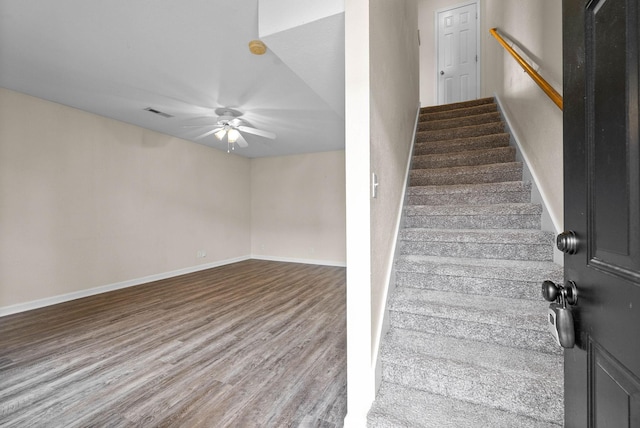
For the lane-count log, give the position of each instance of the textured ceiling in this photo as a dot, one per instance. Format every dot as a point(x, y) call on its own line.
point(185, 58)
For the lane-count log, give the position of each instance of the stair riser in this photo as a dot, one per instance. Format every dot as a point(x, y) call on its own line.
point(513, 288)
point(462, 145)
point(491, 221)
point(511, 394)
point(470, 198)
point(425, 177)
point(478, 250)
point(481, 272)
point(500, 155)
point(481, 119)
point(535, 340)
point(486, 108)
point(457, 106)
point(463, 132)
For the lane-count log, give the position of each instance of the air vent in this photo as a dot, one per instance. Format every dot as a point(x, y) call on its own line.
point(158, 112)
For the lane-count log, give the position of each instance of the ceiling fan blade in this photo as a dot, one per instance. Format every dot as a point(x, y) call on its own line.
point(209, 117)
point(208, 133)
point(259, 132)
point(241, 141)
point(200, 126)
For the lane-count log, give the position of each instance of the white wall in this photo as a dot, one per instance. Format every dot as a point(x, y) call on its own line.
point(360, 376)
point(382, 102)
point(88, 204)
point(298, 208)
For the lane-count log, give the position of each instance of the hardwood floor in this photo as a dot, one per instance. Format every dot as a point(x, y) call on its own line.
point(252, 344)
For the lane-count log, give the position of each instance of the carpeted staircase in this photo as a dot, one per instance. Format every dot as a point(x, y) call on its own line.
point(468, 344)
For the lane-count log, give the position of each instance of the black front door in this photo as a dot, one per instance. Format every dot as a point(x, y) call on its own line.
point(602, 194)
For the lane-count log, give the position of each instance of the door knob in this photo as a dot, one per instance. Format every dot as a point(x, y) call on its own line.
point(567, 242)
point(550, 291)
point(560, 318)
point(441, 72)
point(567, 294)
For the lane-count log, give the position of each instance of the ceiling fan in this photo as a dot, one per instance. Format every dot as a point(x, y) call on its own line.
point(229, 125)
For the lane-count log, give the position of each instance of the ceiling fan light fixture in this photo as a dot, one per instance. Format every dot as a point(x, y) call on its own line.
point(257, 47)
point(233, 135)
point(220, 134)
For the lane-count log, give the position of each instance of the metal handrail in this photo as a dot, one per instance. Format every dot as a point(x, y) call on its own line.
point(544, 85)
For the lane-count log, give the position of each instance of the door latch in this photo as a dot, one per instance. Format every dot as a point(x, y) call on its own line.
point(560, 317)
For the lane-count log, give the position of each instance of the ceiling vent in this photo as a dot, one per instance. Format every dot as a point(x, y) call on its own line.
point(158, 112)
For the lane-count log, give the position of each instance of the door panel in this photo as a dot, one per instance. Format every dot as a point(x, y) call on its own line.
point(602, 194)
point(612, 80)
point(457, 54)
point(616, 389)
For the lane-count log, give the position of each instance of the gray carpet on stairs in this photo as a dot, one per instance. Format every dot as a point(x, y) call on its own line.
point(468, 344)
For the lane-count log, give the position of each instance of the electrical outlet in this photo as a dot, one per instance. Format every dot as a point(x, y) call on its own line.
point(201, 254)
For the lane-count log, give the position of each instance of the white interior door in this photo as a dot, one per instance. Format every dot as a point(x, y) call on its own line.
point(457, 34)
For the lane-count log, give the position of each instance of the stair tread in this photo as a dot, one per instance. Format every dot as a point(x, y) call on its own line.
point(399, 406)
point(447, 114)
point(480, 156)
point(455, 170)
point(505, 186)
point(460, 144)
point(513, 287)
point(464, 131)
point(523, 381)
point(457, 106)
point(456, 122)
point(501, 136)
point(518, 314)
point(500, 236)
point(463, 154)
point(501, 360)
point(488, 268)
point(469, 210)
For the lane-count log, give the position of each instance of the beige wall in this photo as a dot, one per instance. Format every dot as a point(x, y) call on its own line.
point(86, 202)
point(382, 91)
point(298, 208)
point(536, 26)
point(394, 106)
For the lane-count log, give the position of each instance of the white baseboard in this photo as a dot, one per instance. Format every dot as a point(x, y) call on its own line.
point(550, 223)
point(295, 260)
point(40, 303)
point(54, 300)
point(383, 319)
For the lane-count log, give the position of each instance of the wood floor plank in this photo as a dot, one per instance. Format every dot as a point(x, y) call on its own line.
point(252, 344)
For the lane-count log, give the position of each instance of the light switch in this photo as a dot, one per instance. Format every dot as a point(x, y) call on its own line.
point(374, 185)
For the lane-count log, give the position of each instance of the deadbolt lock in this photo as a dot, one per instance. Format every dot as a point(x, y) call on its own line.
point(567, 242)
